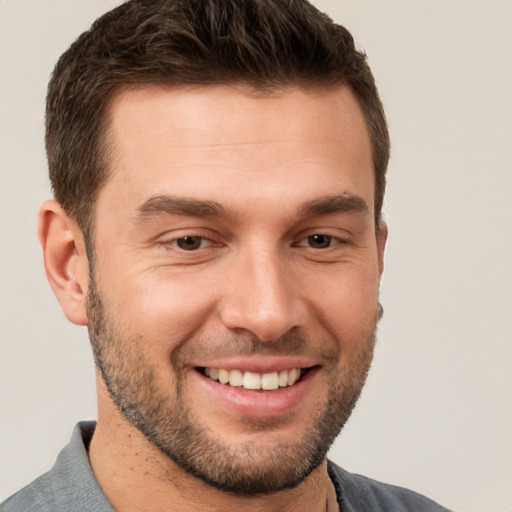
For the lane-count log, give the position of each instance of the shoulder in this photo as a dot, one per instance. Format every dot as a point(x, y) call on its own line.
point(69, 485)
point(35, 497)
point(361, 494)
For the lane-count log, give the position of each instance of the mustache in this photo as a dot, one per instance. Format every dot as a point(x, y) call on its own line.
point(289, 344)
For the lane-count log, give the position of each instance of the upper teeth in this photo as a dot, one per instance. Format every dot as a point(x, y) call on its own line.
point(252, 380)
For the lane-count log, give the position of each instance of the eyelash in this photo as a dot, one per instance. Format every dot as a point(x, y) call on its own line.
point(332, 241)
point(173, 244)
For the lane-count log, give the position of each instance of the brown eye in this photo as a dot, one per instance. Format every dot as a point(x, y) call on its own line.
point(189, 243)
point(319, 241)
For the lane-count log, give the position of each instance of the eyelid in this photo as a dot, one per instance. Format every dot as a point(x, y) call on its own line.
point(169, 240)
point(336, 240)
point(342, 236)
point(203, 244)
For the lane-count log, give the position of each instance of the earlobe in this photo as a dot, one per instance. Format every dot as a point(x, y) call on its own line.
point(382, 236)
point(65, 260)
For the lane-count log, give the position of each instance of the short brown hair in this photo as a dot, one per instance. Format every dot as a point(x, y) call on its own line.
point(265, 44)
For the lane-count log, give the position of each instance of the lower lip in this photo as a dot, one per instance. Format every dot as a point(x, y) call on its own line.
point(259, 403)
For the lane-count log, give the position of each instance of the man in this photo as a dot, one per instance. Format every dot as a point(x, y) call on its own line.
point(219, 172)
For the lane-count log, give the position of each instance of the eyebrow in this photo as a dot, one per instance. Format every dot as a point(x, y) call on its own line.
point(343, 203)
point(171, 205)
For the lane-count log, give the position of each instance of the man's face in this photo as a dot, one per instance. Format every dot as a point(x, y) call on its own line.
point(236, 240)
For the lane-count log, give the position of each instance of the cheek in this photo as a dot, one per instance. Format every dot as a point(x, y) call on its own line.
point(166, 311)
point(347, 304)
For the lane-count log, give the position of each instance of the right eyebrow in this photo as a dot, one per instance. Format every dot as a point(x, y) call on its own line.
point(341, 203)
point(171, 205)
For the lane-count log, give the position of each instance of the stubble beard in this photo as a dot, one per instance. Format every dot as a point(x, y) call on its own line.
point(163, 417)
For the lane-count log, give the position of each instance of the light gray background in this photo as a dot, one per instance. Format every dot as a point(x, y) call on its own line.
point(437, 411)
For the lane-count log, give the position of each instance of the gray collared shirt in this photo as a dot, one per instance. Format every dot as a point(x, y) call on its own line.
point(70, 486)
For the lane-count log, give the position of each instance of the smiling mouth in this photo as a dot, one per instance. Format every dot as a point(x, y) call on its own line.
point(255, 381)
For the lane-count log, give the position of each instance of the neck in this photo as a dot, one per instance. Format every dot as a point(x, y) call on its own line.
point(135, 475)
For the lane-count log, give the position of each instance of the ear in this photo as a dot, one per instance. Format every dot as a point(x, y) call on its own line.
point(65, 260)
point(382, 236)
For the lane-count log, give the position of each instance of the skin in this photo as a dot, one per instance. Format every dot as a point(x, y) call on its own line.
point(257, 273)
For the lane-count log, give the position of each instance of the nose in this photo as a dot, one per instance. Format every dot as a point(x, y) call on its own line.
point(262, 297)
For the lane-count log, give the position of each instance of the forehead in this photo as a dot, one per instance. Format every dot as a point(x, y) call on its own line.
point(198, 141)
point(241, 113)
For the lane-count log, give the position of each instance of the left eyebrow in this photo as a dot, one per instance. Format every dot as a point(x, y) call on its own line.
point(344, 203)
point(171, 205)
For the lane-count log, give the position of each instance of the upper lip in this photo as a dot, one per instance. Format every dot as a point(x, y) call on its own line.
point(257, 364)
